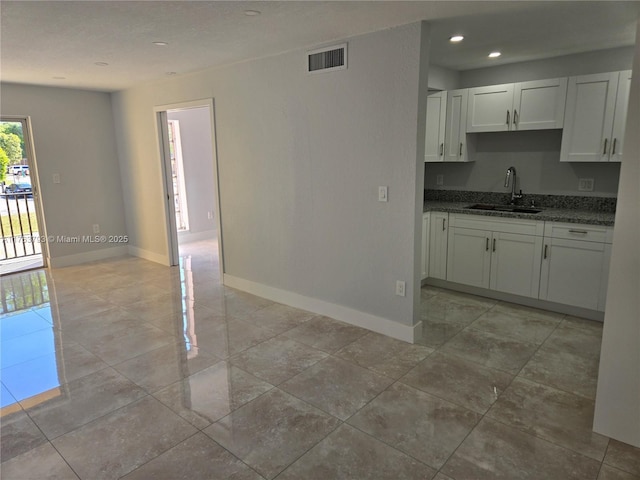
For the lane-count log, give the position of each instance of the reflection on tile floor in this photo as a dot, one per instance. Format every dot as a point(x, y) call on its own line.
point(127, 369)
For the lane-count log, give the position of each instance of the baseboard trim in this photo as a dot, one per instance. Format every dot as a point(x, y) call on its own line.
point(406, 333)
point(92, 256)
point(147, 255)
point(526, 301)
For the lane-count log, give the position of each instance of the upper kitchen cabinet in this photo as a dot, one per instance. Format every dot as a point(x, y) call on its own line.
point(446, 127)
point(595, 117)
point(435, 126)
point(534, 105)
point(455, 146)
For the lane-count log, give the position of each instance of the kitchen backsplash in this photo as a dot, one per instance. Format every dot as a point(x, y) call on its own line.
point(596, 204)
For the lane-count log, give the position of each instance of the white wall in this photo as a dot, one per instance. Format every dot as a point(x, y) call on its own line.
point(617, 412)
point(73, 133)
point(197, 153)
point(300, 160)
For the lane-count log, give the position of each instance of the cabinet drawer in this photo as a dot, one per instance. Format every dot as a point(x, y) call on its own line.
point(574, 231)
point(496, 224)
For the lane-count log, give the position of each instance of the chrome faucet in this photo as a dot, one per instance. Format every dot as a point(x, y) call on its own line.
point(511, 172)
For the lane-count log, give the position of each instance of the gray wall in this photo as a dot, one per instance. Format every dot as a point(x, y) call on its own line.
point(197, 153)
point(73, 133)
point(300, 159)
point(535, 154)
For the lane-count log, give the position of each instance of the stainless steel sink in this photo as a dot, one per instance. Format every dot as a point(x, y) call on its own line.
point(503, 208)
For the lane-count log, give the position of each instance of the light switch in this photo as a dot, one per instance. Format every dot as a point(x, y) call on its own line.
point(383, 194)
point(56, 178)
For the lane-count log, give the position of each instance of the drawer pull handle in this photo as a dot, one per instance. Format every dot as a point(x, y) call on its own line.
point(494, 244)
point(487, 247)
point(604, 151)
point(515, 117)
point(546, 249)
point(508, 117)
point(613, 149)
point(460, 149)
point(579, 232)
point(443, 225)
point(441, 149)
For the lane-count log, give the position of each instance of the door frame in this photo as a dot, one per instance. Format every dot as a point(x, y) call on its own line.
point(29, 146)
point(160, 113)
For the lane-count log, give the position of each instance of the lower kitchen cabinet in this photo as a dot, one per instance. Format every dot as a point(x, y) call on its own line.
point(438, 233)
point(424, 269)
point(575, 265)
point(495, 254)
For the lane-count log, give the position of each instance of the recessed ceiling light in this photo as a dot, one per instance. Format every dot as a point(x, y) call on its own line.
point(59, 78)
point(252, 13)
point(102, 64)
point(161, 44)
point(172, 73)
point(456, 38)
point(494, 54)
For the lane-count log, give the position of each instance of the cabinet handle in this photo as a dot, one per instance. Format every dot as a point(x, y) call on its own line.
point(580, 232)
point(494, 244)
point(443, 227)
point(604, 150)
point(546, 248)
point(508, 117)
point(487, 246)
point(515, 117)
point(613, 149)
point(441, 149)
point(460, 149)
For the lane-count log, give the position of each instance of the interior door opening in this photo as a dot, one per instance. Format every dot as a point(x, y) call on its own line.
point(23, 238)
point(191, 180)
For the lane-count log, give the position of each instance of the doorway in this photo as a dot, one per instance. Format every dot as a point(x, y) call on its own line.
point(187, 144)
point(21, 223)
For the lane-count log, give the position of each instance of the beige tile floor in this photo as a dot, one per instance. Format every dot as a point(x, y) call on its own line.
point(127, 369)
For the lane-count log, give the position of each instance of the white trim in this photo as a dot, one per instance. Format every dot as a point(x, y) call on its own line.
point(92, 256)
point(197, 236)
point(407, 333)
point(147, 255)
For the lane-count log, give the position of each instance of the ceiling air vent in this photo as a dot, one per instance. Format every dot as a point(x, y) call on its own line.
point(327, 59)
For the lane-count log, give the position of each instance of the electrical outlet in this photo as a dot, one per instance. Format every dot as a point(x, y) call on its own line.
point(585, 185)
point(56, 178)
point(383, 194)
point(440, 180)
point(210, 215)
point(400, 288)
point(96, 228)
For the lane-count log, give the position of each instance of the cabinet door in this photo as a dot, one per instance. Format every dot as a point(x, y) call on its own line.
point(572, 272)
point(425, 246)
point(515, 263)
point(469, 257)
point(489, 108)
point(589, 118)
point(455, 147)
point(620, 115)
point(539, 104)
point(435, 126)
point(438, 233)
point(606, 262)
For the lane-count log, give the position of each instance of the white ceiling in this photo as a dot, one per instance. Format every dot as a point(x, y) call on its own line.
point(41, 41)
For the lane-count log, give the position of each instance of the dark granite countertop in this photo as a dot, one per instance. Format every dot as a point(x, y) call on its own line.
point(566, 215)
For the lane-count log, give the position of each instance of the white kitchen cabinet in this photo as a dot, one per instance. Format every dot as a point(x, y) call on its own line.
point(535, 105)
point(595, 117)
point(498, 254)
point(435, 127)
point(438, 234)
point(455, 144)
point(424, 271)
point(620, 115)
point(575, 265)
